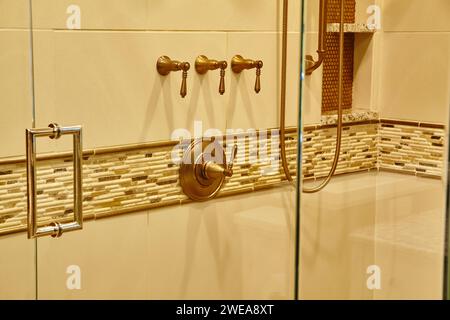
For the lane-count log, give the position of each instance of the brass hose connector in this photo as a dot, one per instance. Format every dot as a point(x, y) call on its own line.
point(310, 63)
point(238, 64)
point(203, 65)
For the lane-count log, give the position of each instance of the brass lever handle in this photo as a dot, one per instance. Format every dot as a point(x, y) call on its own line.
point(203, 65)
point(238, 64)
point(229, 169)
point(165, 65)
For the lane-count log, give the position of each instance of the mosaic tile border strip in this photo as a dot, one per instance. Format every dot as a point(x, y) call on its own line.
point(358, 149)
point(140, 177)
point(412, 148)
point(126, 179)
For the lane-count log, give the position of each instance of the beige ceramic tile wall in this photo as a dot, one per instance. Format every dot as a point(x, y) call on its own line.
point(95, 76)
point(14, 14)
point(245, 108)
point(219, 250)
point(173, 15)
point(17, 268)
point(414, 81)
point(112, 255)
point(107, 82)
point(15, 90)
point(15, 83)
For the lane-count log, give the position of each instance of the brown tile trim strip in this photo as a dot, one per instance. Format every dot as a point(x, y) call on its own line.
point(346, 124)
point(381, 121)
point(114, 149)
point(413, 123)
point(411, 173)
point(311, 179)
point(90, 152)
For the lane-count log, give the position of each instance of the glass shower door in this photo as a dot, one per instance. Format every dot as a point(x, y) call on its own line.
point(377, 230)
point(95, 66)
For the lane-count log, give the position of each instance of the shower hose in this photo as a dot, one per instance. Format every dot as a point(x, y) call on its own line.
point(284, 161)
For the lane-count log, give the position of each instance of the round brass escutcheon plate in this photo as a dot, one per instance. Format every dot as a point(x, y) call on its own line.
point(194, 184)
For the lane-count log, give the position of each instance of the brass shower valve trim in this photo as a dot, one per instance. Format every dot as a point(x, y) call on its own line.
point(202, 173)
point(238, 64)
point(165, 65)
point(203, 65)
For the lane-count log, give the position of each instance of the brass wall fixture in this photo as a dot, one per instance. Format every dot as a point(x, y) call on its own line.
point(310, 64)
point(55, 229)
point(165, 65)
point(203, 65)
point(204, 168)
point(238, 64)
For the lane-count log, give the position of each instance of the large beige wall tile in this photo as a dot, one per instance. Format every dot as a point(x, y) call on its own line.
point(168, 15)
point(311, 17)
point(15, 91)
point(311, 101)
point(416, 15)
point(95, 14)
point(293, 79)
point(249, 15)
point(231, 248)
point(107, 82)
point(14, 14)
point(365, 72)
point(17, 268)
point(414, 80)
point(112, 255)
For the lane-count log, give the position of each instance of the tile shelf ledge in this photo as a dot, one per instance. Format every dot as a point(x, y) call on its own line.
point(351, 28)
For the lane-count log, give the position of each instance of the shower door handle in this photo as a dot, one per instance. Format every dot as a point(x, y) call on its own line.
point(55, 229)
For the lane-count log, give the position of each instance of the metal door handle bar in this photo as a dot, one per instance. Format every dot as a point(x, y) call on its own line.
point(55, 229)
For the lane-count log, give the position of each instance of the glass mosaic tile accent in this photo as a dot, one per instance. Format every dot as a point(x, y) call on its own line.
point(145, 178)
